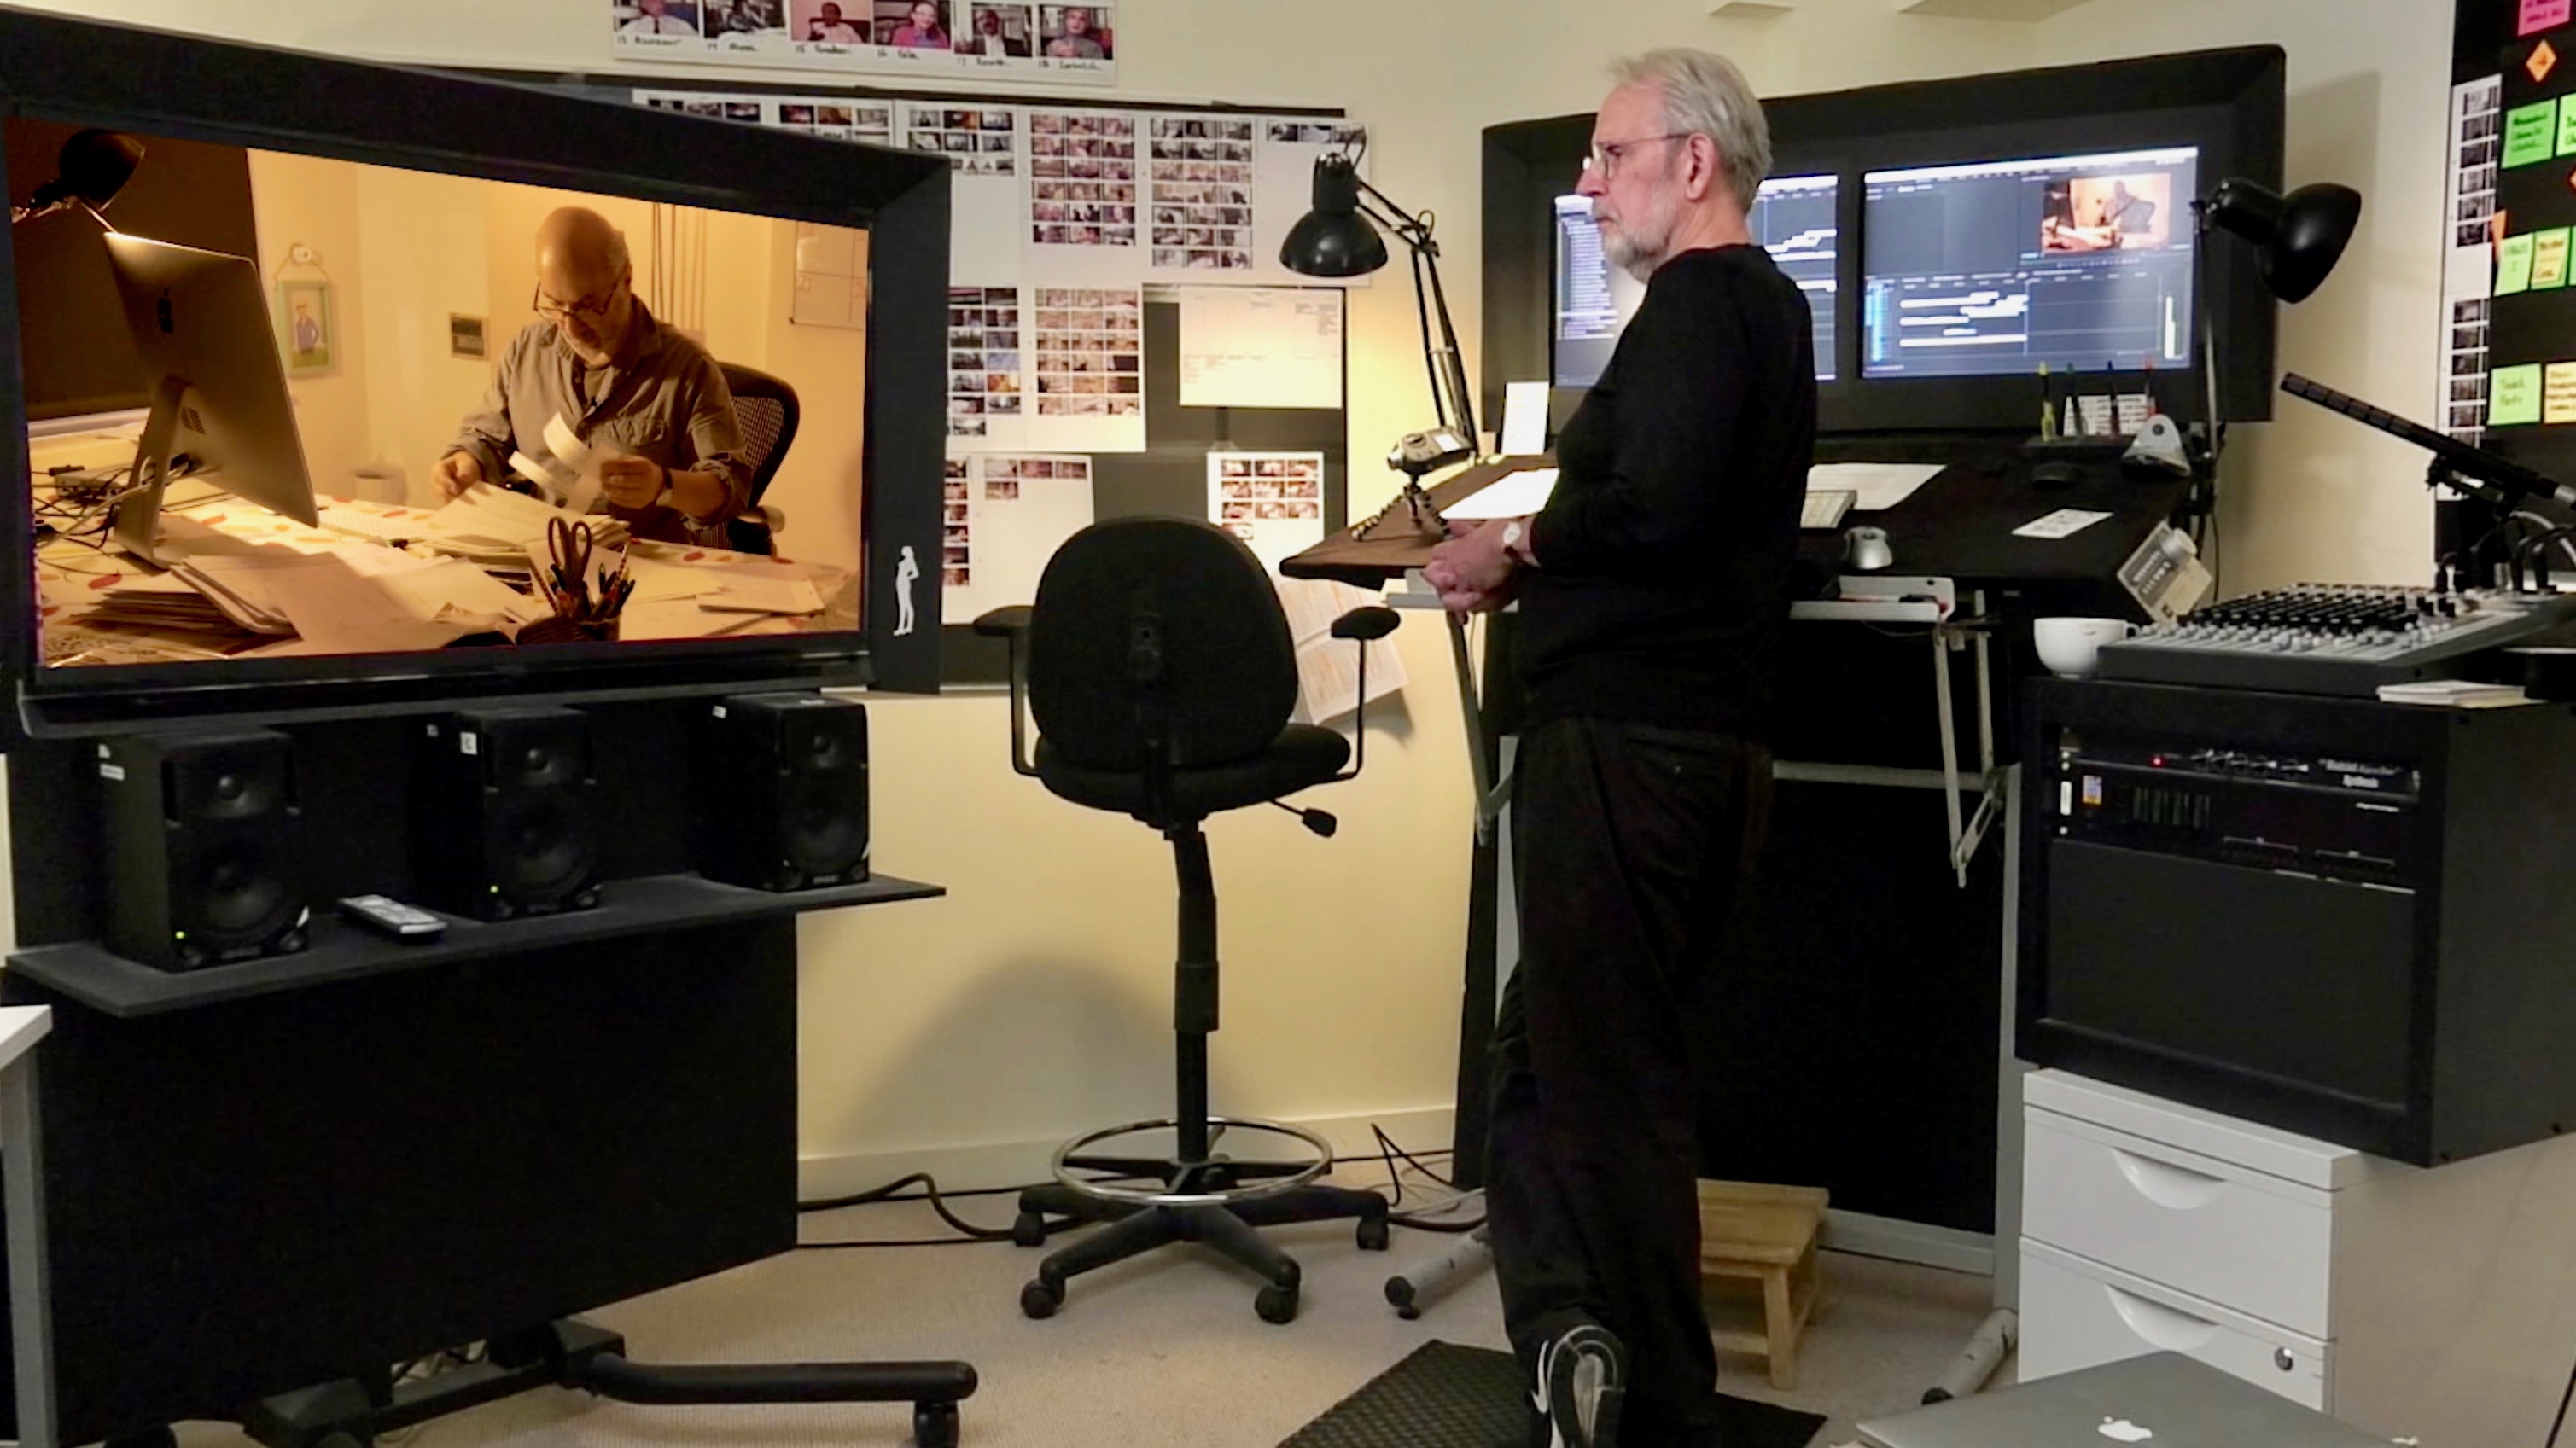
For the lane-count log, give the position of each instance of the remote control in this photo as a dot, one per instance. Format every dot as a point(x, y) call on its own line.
point(392, 917)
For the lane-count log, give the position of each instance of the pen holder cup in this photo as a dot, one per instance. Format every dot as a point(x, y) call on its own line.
point(560, 630)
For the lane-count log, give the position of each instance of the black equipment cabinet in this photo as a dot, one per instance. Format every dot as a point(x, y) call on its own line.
point(2338, 917)
point(280, 1172)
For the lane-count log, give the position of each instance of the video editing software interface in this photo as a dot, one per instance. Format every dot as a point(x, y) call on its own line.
point(1991, 269)
point(1792, 218)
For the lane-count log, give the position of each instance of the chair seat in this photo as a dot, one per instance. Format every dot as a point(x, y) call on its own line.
point(1301, 757)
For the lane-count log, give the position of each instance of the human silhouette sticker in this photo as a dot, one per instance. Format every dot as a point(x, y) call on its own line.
point(907, 571)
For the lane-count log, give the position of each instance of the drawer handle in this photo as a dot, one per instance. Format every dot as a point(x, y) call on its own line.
point(2159, 1325)
point(2167, 1185)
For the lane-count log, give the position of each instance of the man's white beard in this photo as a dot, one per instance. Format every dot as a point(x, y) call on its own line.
point(1639, 249)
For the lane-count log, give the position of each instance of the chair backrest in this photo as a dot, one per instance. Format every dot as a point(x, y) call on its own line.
point(766, 410)
point(1169, 626)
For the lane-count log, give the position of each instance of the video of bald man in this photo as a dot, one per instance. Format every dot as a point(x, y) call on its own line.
point(281, 405)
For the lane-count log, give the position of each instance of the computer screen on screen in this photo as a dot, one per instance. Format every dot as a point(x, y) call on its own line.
point(1793, 218)
point(1993, 268)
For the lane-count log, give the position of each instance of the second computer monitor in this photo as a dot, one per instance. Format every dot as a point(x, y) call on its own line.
point(1792, 218)
point(1991, 269)
point(220, 408)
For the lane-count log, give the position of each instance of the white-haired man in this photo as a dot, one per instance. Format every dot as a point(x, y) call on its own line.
point(1653, 588)
point(596, 358)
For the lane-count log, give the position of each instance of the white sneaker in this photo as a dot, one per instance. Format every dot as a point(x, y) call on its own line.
point(1582, 1381)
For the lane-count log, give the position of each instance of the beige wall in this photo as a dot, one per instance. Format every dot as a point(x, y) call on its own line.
point(1035, 999)
point(297, 200)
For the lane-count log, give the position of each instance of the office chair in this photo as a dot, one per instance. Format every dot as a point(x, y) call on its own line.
point(765, 409)
point(1158, 667)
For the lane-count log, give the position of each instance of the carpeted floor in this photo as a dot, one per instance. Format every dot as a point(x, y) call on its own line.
point(1160, 1353)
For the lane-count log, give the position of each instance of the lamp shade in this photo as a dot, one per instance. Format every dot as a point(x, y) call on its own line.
point(2299, 237)
point(93, 166)
point(1333, 239)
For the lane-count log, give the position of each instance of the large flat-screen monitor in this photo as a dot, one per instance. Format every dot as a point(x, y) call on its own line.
point(1952, 235)
point(1793, 217)
point(1996, 268)
point(266, 527)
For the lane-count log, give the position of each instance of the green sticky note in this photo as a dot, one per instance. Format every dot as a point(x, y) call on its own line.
point(2567, 130)
point(2513, 396)
point(2513, 266)
point(2531, 133)
point(2548, 259)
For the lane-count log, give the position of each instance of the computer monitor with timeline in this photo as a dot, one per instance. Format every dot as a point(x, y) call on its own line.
point(1992, 268)
point(1793, 217)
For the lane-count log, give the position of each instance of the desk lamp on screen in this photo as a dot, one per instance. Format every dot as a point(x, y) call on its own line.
point(1339, 238)
point(94, 165)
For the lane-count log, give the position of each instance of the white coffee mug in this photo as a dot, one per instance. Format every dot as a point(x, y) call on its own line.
point(2069, 646)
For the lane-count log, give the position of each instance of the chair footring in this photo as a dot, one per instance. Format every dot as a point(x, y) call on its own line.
point(1181, 1184)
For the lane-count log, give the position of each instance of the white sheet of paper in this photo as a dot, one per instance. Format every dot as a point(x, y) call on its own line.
point(1524, 419)
point(1261, 347)
point(744, 593)
point(1514, 495)
point(2064, 523)
point(657, 582)
point(1328, 681)
point(1880, 485)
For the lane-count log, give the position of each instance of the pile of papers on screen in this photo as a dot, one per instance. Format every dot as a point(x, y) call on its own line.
point(683, 592)
point(494, 525)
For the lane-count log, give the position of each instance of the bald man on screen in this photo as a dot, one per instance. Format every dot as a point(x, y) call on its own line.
point(619, 379)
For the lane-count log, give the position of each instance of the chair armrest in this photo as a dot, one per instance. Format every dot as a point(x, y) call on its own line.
point(1007, 623)
point(1363, 626)
point(1012, 623)
point(1375, 621)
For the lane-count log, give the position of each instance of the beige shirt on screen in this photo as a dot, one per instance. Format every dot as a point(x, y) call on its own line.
point(662, 397)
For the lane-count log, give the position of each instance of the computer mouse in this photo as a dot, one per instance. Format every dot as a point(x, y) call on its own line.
point(2059, 474)
point(1865, 550)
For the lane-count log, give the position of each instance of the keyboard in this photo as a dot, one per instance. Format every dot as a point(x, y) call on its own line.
point(2340, 639)
point(1825, 509)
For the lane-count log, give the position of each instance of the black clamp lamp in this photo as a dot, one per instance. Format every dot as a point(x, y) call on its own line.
point(94, 165)
point(1341, 237)
point(2297, 240)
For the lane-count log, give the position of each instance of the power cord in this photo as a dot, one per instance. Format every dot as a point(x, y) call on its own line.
point(969, 1234)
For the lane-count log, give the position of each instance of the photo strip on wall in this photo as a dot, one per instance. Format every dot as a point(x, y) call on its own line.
point(944, 38)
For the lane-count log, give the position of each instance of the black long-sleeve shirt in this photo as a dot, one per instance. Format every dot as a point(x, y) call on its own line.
point(1664, 555)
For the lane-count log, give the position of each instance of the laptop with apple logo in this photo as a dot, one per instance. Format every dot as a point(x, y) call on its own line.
point(2164, 1400)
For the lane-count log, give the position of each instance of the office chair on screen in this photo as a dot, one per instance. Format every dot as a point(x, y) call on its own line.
point(765, 409)
point(1158, 666)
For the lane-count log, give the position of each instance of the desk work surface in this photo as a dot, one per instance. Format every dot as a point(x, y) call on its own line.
point(377, 578)
point(1960, 525)
point(342, 951)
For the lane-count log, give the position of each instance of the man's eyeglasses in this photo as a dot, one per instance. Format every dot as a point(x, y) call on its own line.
point(1606, 155)
point(588, 309)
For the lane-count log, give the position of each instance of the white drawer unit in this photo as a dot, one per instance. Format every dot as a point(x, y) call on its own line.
point(2203, 1226)
point(2410, 1303)
point(2096, 1315)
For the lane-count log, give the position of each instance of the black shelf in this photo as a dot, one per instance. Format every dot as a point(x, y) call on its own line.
point(340, 951)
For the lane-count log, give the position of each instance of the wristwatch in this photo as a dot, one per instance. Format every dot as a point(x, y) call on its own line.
point(1513, 532)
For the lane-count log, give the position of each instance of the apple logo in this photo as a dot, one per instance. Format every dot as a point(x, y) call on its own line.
point(2121, 1430)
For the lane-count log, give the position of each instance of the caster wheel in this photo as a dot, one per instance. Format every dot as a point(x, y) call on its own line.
point(1028, 1229)
point(1038, 1300)
point(157, 1438)
point(1277, 1305)
point(934, 1425)
point(1374, 1234)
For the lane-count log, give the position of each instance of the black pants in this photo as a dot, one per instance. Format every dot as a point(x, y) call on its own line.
point(1630, 844)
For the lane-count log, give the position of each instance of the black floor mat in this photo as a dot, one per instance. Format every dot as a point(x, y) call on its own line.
point(1447, 1396)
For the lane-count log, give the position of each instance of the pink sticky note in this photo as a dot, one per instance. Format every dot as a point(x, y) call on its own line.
point(2543, 14)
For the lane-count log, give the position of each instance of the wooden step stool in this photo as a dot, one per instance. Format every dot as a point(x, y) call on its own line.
point(1765, 1234)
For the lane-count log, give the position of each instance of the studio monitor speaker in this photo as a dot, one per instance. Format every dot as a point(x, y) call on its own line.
point(781, 789)
point(201, 847)
point(502, 813)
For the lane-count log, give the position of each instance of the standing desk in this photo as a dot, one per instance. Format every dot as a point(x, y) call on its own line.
point(1862, 1041)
